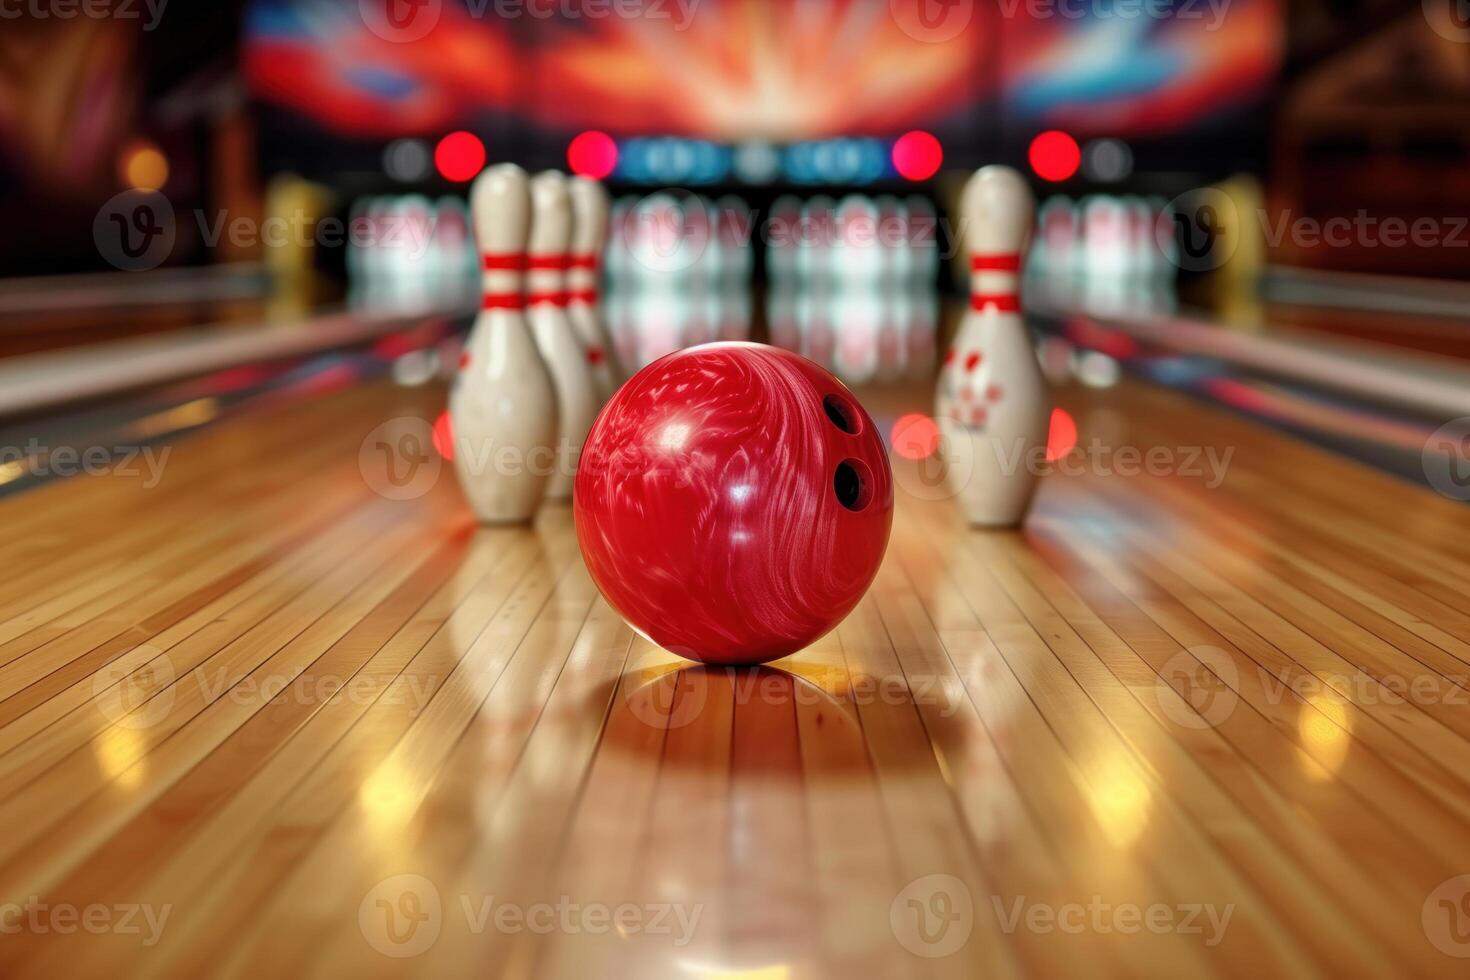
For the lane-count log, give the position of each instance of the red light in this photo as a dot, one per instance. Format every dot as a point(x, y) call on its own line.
point(460, 156)
point(914, 436)
point(1055, 155)
point(444, 435)
point(917, 155)
point(1062, 438)
point(592, 154)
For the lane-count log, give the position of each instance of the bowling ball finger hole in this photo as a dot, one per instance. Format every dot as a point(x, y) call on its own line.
point(843, 414)
point(853, 484)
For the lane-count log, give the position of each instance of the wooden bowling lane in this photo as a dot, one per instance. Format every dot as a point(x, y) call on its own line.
point(1189, 722)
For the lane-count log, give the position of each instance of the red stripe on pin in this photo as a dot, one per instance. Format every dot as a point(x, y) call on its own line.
point(588, 261)
point(552, 263)
point(502, 301)
point(1002, 262)
point(504, 261)
point(1004, 302)
point(554, 297)
point(588, 296)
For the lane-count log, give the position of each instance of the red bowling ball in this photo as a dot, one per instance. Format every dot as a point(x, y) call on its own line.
point(733, 502)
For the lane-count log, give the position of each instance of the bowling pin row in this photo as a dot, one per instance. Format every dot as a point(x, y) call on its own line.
point(861, 332)
point(410, 253)
point(678, 274)
point(881, 241)
point(1105, 254)
point(536, 367)
point(684, 240)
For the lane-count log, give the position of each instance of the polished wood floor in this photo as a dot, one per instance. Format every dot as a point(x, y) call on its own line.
point(260, 719)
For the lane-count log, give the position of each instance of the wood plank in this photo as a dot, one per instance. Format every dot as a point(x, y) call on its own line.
point(323, 690)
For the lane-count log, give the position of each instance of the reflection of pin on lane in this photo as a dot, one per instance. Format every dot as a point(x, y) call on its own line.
point(502, 403)
point(992, 396)
point(546, 298)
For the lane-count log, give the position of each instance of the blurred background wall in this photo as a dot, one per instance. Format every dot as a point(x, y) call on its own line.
point(1340, 108)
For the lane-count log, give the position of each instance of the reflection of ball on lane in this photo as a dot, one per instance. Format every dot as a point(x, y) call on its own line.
point(733, 502)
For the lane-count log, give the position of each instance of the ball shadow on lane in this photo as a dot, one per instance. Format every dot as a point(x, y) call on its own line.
point(764, 713)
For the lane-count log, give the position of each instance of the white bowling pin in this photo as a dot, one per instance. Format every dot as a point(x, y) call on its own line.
point(701, 230)
point(455, 266)
point(782, 316)
point(589, 234)
point(893, 243)
point(590, 210)
point(1052, 263)
point(783, 241)
point(376, 266)
point(893, 323)
point(922, 303)
point(659, 248)
point(819, 231)
point(736, 227)
point(413, 252)
point(701, 275)
point(857, 312)
point(730, 297)
point(814, 315)
point(661, 318)
point(857, 253)
point(733, 228)
point(359, 235)
point(618, 236)
point(502, 403)
point(923, 241)
point(992, 405)
point(546, 301)
point(735, 314)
